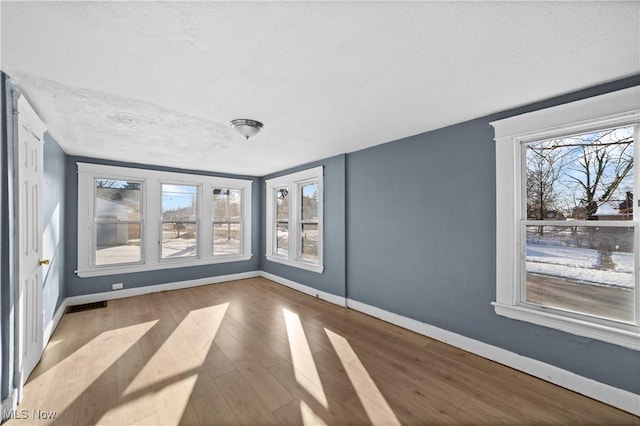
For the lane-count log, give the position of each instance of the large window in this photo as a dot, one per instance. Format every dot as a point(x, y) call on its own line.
point(134, 220)
point(579, 247)
point(567, 232)
point(294, 219)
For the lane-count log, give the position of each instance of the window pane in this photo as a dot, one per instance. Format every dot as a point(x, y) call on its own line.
point(309, 197)
point(282, 204)
point(584, 269)
point(282, 238)
point(309, 242)
point(226, 205)
point(117, 200)
point(179, 239)
point(179, 203)
point(586, 177)
point(117, 243)
point(226, 238)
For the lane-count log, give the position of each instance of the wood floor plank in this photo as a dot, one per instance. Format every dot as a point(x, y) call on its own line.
point(96, 405)
point(252, 342)
point(208, 402)
point(255, 352)
point(317, 398)
point(265, 385)
point(244, 401)
point(216, 362)
point(298, 413)
point(272, 393)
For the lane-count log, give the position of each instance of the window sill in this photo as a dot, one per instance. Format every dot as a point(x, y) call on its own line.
point(165, 264)
point(296, 264)
point(628, 336)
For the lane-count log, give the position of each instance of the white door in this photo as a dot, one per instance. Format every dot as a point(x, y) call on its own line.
point(28, 131)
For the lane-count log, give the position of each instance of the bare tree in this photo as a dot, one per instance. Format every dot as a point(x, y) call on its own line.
point(544, 169)
point(105, 183)
point(602, 165)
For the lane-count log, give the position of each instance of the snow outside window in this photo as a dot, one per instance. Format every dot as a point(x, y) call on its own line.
point(567, 231)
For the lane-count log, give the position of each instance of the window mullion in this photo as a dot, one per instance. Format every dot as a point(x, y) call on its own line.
point(153, 224)
point(205, 208)
point(293, 219)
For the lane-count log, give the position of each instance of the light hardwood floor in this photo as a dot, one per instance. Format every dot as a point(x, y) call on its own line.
point(252, 351)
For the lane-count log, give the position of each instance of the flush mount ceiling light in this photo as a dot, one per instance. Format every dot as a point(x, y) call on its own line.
point(246, 127)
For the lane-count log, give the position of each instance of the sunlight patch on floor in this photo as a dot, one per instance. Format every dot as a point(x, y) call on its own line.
point(209, 319)
point(171, 401)
point(165, 377)
point(302, 358)
point(104, 352)
point(175, 348)
point(374, 403)
point(308, 416)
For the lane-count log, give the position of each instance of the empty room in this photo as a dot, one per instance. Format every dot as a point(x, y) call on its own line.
point(319, 212)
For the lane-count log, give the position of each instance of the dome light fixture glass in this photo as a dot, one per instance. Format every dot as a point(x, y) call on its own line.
point(246, 127)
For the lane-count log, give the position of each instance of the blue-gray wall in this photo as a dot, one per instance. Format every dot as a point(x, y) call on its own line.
point(332, 280)
point(78, 286)
point(54, 231)
point(421, 243)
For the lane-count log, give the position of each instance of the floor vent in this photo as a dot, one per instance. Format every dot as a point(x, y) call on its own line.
point(86, 307)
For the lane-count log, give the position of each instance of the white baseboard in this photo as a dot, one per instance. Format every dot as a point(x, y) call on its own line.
point(618, 398)
point(138, 291)
point(338, 300)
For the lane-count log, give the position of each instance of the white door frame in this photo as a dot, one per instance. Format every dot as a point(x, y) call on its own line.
point(27, 125)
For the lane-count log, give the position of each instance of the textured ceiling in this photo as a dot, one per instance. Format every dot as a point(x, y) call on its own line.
point(158, 83)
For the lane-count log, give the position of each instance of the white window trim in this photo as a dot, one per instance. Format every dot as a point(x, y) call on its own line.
point(613, 109)
point(151, 210)
point(292, 182)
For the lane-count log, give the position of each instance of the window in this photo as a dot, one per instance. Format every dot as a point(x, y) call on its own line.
point(227, 222)
point(179, 220)
point(132, 220)
point(308, 224)
point(282, 221)
point(118, 222)
point(568, 240)
point(294, 219)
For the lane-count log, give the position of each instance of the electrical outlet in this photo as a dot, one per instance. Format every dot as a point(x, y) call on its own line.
point(116, 286)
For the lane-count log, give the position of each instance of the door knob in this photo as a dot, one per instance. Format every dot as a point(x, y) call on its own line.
point(43, 262)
